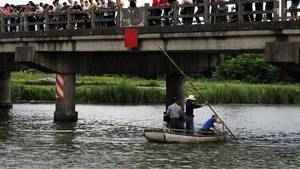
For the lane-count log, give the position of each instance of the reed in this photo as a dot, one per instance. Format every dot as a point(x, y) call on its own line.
point(247, 93)
point(133, 90)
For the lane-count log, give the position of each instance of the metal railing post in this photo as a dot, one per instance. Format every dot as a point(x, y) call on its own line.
point(25, 23)
point(283, 10)
point(46, 22)
point(146, 13)
point(118, 18)
point(240, 11)
point(93, 18)
point(2, 24)
point(69, 20)
point(276, 10)
point(206, 12)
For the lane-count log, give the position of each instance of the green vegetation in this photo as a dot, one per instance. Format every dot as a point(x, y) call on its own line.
point(248, 68)
point(131, 90)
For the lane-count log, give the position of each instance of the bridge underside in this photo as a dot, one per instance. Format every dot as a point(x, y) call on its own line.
point(132, 63)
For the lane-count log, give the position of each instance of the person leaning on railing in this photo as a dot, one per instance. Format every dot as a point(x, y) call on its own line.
point(200, 10)
point(270, 7)
point(293, 9)
point(187, 11)
point(247, 9)
point(258, 8)
point(222, 11)
point(156, 12)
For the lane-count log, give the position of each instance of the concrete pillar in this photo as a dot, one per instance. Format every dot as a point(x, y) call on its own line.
point(65, 98)
point(5, 96)
point(174, 85)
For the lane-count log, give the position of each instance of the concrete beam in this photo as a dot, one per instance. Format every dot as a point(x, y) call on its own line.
point(231, 40)
point(283, 52)
point(65, 98)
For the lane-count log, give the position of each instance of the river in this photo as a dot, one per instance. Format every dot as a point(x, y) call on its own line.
point(111, 137)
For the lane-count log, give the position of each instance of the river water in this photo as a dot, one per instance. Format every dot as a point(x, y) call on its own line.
point(111, 137)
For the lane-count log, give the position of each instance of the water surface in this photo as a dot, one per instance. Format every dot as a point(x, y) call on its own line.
point(112, 137)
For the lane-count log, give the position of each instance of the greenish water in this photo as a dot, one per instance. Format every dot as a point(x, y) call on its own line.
point(109, 137)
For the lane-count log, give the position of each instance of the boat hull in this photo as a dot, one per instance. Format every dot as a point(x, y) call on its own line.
point(164, 136)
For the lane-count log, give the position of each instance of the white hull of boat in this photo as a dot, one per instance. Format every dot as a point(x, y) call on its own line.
point(166, 137)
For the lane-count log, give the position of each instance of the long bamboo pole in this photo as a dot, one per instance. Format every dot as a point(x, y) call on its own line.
point(194, 88)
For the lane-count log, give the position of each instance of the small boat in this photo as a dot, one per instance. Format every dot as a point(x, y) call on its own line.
point(171, 136)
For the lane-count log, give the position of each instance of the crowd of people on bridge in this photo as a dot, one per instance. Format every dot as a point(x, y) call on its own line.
point(162, 12)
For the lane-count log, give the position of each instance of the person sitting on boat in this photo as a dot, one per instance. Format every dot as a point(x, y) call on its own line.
point(176, 114)
point(190, 105)
point(209, 125)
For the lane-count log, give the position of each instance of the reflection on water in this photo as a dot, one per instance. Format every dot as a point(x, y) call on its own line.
point(112, 137)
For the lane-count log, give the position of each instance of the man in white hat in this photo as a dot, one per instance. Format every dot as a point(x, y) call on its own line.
point(189, 113)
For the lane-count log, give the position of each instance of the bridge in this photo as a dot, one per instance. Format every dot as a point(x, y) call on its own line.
point(75, 42)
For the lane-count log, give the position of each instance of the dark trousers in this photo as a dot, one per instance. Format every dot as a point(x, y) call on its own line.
point(155, 12)
point(176, 123)
point(269, 6)
point(259, 8)
point(188, 11)
point(189, 124)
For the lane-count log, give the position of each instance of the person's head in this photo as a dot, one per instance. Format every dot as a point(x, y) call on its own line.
point(179, 101)
point(213, 117)
point(86, 3)
point(6, 6)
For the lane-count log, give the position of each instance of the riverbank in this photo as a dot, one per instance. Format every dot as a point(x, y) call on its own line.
point(32, 86)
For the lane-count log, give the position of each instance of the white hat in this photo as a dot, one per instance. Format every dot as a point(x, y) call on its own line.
point(191, 97)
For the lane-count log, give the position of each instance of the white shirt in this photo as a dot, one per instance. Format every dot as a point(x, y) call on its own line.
point(175, 111)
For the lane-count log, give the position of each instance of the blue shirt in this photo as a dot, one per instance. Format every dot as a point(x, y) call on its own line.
point(209, 124)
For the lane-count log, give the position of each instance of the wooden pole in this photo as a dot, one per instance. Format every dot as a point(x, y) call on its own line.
point(194, 87)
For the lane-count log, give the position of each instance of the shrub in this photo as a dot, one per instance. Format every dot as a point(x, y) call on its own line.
point(249, 68)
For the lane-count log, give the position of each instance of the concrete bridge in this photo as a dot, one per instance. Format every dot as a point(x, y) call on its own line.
point(63, 44)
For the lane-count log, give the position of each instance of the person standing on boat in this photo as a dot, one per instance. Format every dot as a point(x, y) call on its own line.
point(176, 114)
point(189, 112)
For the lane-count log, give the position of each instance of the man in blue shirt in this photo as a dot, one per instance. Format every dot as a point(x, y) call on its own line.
point(209, 123)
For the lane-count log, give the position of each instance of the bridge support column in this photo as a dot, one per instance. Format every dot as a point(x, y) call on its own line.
point(174, 85)
point(5, 96)
point(65, 98)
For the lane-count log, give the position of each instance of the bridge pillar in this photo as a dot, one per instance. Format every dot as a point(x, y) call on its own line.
point(65, 98)
point(174, 85)
point(5, 96)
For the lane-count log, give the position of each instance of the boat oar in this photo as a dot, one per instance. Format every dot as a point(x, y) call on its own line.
point(194, 88)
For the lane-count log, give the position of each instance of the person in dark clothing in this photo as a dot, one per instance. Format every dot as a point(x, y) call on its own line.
point(248, 8)
point(222, 10)
point(200, 10)
point(258, 8)
point(188, 11)
point(293, 8)
point(270, 7)
point(189, 113)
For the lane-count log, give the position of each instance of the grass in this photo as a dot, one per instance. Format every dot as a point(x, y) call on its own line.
point(133, 90)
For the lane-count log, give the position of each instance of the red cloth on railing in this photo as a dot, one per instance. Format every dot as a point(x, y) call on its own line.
point(131, 38)
point(160, 3)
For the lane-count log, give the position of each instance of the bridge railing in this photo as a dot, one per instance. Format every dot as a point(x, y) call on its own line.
point(202, 13)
